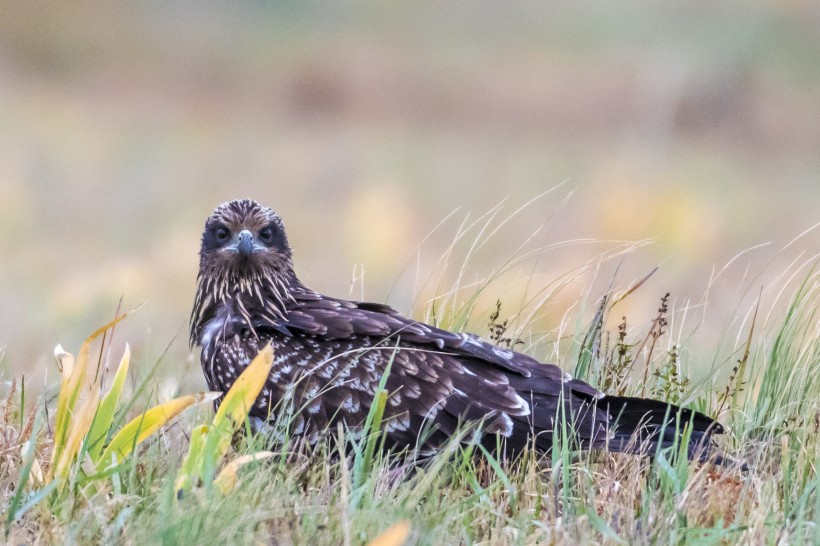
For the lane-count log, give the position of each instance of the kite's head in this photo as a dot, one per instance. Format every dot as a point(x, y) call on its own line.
point(243, 239)
point(245, 262)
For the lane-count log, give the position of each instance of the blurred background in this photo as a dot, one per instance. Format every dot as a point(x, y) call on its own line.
point(692, 124)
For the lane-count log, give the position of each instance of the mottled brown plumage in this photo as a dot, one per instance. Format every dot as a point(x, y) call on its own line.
point(330, 355)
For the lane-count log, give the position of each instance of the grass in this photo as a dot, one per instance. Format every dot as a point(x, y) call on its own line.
point(347, 491)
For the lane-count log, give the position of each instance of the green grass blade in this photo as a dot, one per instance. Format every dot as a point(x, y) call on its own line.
point(363, 460)
point(373, 435)
point(101, 426)
point(38, 496)
point(192, 463)
point(13, 510)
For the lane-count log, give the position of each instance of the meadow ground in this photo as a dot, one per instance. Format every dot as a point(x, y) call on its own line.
point(57, 486)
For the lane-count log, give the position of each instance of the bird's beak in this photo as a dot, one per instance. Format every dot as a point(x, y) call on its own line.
point(244, 243)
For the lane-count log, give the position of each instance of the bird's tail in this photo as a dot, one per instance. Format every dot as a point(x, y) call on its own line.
point(644, 426)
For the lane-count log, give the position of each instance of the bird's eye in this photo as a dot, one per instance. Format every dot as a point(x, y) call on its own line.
point(222, 233)
point(266, 235)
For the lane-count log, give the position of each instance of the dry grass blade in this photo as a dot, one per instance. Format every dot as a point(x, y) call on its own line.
point(634, 287)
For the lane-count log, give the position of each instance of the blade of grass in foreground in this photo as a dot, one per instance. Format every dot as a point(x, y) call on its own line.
point(144, 425)
point(29, 459)
point(189, 470)
point(105, 412)
point(80, 423)
point(790, 385)
point(227, 478)
point(74, 373)
point(366, 448)
point(213, 442)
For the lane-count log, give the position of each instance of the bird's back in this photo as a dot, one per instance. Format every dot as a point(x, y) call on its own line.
point(330, 356)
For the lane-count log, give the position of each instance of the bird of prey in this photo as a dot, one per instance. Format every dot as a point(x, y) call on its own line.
point(331, 354)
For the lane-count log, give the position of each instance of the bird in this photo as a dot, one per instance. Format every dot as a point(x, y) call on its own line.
point(332, 356)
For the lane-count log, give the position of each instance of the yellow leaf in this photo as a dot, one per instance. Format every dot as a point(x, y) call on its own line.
point(227, 478)
point(238, 401)
point(141, 427)
point(396, 535)
point(74, 373)
point(242, 394)
point(85, 348)
point(206, 451)
point(65, 361)
point(80, 423)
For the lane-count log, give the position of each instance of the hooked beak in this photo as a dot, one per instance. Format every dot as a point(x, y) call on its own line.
point(244, 243)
